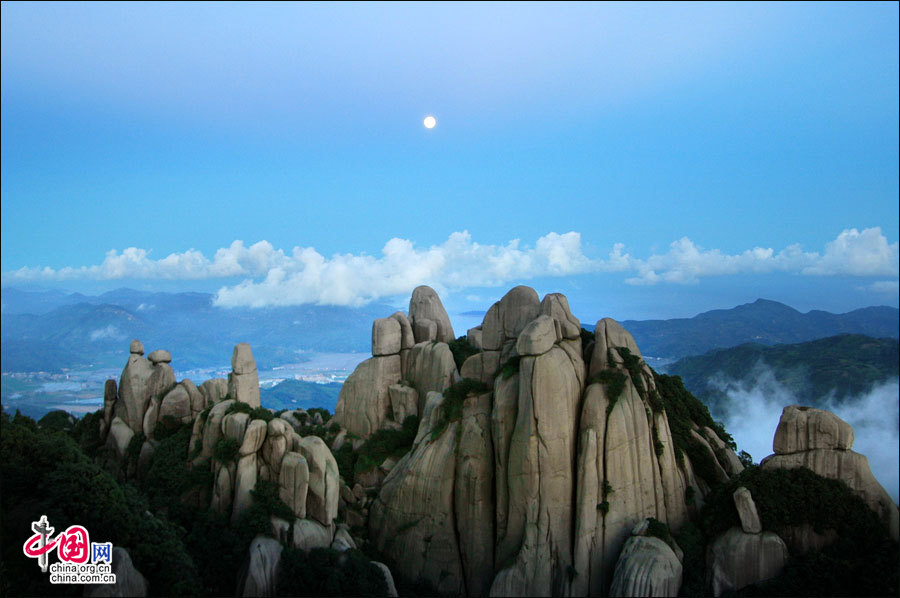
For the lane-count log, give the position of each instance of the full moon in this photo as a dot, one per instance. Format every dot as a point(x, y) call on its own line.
point(429, 122)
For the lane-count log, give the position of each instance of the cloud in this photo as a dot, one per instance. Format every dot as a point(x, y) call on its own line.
point(884, 286)
point(108, 333)
point(275, 277)
point(754, 408)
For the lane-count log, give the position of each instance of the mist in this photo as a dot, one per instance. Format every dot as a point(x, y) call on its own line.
point(754, 408)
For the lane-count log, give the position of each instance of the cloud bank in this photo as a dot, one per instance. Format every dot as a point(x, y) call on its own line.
point(754, 411)
point(275, 277)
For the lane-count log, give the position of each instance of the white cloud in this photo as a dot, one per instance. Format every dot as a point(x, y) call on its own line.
point(884, 286)
point(274, 277)
point(108, 333)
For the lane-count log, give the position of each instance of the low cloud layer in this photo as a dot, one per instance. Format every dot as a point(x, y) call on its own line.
point(754, 411)
point(275, 277)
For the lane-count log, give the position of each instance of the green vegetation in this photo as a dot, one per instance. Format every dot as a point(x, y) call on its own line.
point(46, 472)
point(326, 572)
point(238, 407)
point(633, 365)
point(863, 562)
point(587, 345)
point(510, 367)
point(262, 413)
point(839, 366)
point(226, 450)
point(326, 415)
point(683, 409)
point(614, 380)
point(385, 443)
point(693, 545)
point(461, 350)
point(658, 529)
point(454, 396)
point(57, 421)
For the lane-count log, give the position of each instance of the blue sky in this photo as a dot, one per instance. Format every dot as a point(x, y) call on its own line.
point(649, 161)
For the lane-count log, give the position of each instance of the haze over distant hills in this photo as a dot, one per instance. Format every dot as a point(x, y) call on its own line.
point(51, 330)
point(816, 372)
point(763, 321)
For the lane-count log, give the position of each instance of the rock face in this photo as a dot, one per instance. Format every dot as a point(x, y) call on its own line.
point(646, 567)
point(737, 559)
point(821, 441)
point(746, 509)
point(364, 400)
point(129, 581)
point(261, 577)
point(243, 381)
point(805, 429)
point(534, 487)
point(425, 307)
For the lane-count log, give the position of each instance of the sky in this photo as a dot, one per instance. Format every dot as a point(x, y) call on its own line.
point(648, 160)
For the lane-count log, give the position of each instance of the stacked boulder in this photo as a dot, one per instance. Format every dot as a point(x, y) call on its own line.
point(410, 358)
point(821, 441)
point(648, 565)
point(531, 483)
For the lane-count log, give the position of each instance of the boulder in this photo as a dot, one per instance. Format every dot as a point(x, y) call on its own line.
point(151, 417)
point(364, 400)
point(212, 430)
point(746, 508)
point(161, 380)
point(243, 381)
point(492, 329)
point(342, 541)
point(215, 390)
point(223, 491)
point(279, 440)
point(134, 391)
point(647, 566)
point(425, 330)
point(537, 337)
point(609, 334)
point(430, 368)
point(804, 428)
point(426, 305)
point(737, 559)
point(386, 336)
point(234, 425)
point(309, 534)
point(160, 356)
point(724, 455)
point(198, 401)
point(253, 437)
point(129, 581)
point(293, 482)
point(176, 404)
point(473, 336)
point(245, 482)
point(556, 305)
point(120, 435)
point(407, 339)
point(518, 307)
point(324, 480)
point(404, 401)
point(136, 347)
point(260, 577)
point(388, 578)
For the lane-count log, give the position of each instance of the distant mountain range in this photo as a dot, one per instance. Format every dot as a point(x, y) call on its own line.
point(764, 322)
point(51, 330)
point(838, 367)
point(299, 394)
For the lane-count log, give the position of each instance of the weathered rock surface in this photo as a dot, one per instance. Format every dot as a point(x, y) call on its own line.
point(404, 401)
point(430, 368)
point(134, 391)
point(746, 508)
point(609, 334)
point(176, 404)
point(212, 431)
point(537, 337)
point(804, 428)
point(243, 381)
point(293, 481)
point(309, 534)
point(737, 559)
point(556, 305)
point(129, 581)
point(364, 399)
point(647, 566)
point(324, 480)
point(160, 356)
point(245, 482)
point(214, 389)
point(386, 336)
point(253, 437)
point(388, 578)
point(261, 576)
point(412, 519)
point(136, 347)
point(425, 304)
point(120, 435)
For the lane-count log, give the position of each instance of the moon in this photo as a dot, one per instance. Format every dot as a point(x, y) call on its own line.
point(430, 122)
